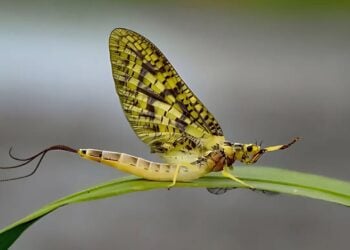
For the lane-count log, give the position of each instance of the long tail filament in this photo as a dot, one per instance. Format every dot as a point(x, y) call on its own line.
point(26, 161)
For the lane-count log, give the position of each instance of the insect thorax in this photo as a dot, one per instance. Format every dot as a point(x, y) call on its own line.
point(220, 156)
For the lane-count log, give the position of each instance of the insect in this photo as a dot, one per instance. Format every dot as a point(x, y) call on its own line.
point(166, 115)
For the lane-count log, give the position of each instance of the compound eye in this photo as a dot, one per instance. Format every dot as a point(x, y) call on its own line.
point(250, 148)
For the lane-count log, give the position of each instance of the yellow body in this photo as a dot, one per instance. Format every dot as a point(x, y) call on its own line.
point(144, 168)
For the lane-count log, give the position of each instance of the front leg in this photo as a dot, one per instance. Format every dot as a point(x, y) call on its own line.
point(227, 173)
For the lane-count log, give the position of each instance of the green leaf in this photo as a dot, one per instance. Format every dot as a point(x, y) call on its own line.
point(262, 178)
point(9, 236)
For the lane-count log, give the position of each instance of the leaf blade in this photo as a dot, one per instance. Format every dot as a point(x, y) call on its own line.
point(263, 178)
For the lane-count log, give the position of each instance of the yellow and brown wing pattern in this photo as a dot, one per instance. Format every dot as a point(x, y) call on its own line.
point(162, 110)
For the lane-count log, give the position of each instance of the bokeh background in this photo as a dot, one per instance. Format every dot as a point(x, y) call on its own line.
point(267, 70)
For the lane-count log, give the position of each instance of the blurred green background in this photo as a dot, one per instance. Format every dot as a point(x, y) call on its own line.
point(267, 70)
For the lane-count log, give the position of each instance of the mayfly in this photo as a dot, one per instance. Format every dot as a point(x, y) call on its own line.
point(167, 116)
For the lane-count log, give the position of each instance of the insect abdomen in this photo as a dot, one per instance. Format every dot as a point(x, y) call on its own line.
point(141, 167)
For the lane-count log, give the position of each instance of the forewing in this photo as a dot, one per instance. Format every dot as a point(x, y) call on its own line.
point(161, 109)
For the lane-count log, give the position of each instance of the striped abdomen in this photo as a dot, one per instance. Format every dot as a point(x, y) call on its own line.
point(144, 168)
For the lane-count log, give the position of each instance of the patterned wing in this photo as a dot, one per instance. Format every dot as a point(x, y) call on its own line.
point(162, 110)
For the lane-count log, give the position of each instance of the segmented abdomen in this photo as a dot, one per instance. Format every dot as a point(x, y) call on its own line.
point(143, 168)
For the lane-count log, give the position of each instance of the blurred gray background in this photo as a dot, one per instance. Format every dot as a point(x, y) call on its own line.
point(270, 72)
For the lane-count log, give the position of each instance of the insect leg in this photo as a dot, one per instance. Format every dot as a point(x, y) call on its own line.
point(226, 172)
point(175, 176)
point(177, 170)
